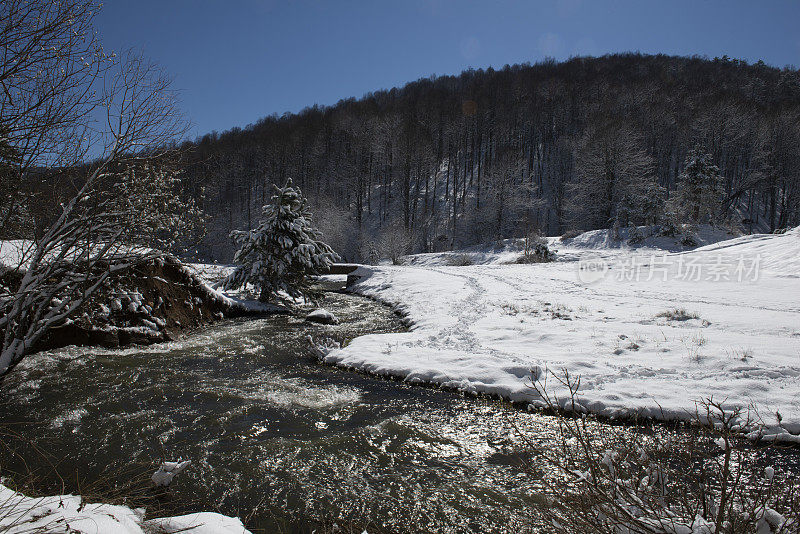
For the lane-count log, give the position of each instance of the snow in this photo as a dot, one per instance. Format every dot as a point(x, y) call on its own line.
point(643, 338)
point(605, 239)
point(167, 471)
point(321, 315)
point(14, 253)
point(68, 514)
point(198, 523)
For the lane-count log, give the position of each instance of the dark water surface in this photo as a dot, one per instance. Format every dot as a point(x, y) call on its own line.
point(276, 437)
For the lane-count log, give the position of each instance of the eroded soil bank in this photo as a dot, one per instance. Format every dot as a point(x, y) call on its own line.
point(155, 301)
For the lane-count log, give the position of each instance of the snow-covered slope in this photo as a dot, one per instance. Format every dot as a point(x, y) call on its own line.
point(68, 514)
point(779, 254)
point(650, 239)
point(603, 242)
point(649, 331)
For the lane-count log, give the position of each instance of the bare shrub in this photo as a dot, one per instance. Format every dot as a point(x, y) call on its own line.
point(677, 314)
point(536, 249)
point(458, 260)
point(709, 479)
point(689, 240)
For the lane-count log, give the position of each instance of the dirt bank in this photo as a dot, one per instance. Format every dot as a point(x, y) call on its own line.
point(155, 301)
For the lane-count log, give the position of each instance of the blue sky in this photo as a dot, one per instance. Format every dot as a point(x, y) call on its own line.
point(236, 61)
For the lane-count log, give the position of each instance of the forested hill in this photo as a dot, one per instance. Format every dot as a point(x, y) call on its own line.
point(457, 160)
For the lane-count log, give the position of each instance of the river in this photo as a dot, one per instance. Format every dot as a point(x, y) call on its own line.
point(276, 437)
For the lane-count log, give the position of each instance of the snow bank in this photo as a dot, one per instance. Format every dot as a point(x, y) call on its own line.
point(199, 523)
point(605, 242)
point(650, 239)
point(779, 254)
point(68, 514)
point(653, 343)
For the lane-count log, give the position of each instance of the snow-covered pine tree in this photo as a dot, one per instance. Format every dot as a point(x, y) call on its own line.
point(699, 190)
point(283, 251)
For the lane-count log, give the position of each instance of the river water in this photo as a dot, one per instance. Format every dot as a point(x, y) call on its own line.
point(275, 437)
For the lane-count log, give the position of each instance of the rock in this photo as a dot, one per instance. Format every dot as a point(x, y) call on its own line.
point(322, 316)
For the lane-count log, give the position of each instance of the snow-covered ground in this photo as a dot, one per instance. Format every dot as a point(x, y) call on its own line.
point(68, 514)
point(14, 252)
point(646, 329)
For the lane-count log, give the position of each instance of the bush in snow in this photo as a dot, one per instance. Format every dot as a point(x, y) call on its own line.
point(677, 314)
point(282, 253)
point(536, 249)
point(636, 236)
point(459, 260)
point(708, 479)
point(689, 239)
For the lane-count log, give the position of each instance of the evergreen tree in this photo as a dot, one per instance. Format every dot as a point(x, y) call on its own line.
point(699, 189)
point(283, 251)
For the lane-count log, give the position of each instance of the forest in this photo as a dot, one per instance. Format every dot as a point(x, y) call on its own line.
point(451, 161)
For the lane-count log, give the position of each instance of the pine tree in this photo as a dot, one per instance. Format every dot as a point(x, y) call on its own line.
point(699, 189)
point(282, 253)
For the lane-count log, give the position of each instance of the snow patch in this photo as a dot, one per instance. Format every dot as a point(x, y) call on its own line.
point(69, 514)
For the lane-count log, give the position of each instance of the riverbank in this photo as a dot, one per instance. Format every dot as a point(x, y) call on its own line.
point(20, 514)
point(646, 338)
point(156, 300)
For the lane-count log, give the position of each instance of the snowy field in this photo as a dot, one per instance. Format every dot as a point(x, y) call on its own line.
point(648, 330)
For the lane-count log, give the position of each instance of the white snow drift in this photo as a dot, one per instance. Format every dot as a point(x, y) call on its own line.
point(656, 332)
point(68, 514)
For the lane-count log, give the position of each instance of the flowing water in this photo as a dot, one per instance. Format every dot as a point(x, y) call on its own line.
point(276, 437)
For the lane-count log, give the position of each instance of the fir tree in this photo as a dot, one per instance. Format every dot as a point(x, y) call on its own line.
point(282, 253)
point(699, 189)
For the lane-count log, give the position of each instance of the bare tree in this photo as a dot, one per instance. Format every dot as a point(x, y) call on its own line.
point(51, 61)
point(614, 182)
point(64, 100)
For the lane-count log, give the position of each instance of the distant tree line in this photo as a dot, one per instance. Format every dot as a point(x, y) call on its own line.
point(451, 161)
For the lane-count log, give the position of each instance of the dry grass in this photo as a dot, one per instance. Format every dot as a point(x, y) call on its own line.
point(709, 478)
point(677, 314)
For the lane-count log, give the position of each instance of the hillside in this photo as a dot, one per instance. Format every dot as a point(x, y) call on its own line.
point(452, 161)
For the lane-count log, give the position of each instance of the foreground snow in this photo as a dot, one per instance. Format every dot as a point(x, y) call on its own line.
point(67, 514)
point(644, 337)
